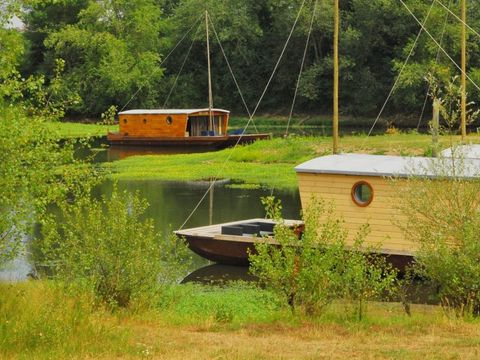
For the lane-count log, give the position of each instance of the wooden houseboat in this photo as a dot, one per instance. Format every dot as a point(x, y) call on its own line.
point(177, 127)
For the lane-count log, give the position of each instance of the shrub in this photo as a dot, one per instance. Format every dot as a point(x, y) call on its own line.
point(107, 246)
point(312, 271)
point(443, 217)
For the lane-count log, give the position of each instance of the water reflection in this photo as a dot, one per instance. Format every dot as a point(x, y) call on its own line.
point(172, 202)
point(217, 274)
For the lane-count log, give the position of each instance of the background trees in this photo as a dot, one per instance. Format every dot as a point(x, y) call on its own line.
point(112, 48)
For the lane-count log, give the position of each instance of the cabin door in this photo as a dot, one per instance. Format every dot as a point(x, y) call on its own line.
point(198, 126)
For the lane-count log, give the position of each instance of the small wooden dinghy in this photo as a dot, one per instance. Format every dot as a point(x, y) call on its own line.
point(229, 243)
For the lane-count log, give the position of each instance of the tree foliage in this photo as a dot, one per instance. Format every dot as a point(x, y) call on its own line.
point(107, 246)
point(310, 272)
point(112, 48)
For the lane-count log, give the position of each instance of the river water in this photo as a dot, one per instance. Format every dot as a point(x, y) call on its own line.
point(171, 203)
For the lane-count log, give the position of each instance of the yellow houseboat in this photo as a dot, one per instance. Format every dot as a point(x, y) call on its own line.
point(183, 127)
point(362, 191)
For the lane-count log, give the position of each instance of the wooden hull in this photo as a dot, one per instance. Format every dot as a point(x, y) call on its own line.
point(222, 252)
point(207, 141)
point(209, 243)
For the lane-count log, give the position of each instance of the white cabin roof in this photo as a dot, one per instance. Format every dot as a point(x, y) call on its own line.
point(471, 151)
point(169, 111)
point(388, 166)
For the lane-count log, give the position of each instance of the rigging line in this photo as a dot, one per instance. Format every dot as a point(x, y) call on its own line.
point(181, 68)
point(301, 68)
point(165, 59)
point(441, 48)
point(249, 120)
point(401, 69)
point(459, 19)
point(437, 59)
point(279, 59)
point(231, 71)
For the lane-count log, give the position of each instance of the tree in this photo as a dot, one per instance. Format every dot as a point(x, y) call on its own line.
point(35, 170)
point(110, 53)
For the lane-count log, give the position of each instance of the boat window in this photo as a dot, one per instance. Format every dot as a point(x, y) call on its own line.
point(144, 121)
point(362, 193)
point(124, 121)
point(169, 120)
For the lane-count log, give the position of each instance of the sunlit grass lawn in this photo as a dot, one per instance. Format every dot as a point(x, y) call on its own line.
point(40, 321)
point(66, 130)
point(269, 162)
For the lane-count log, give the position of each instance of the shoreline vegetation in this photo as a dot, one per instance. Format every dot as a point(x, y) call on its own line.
point(267, 163)
point(265, 123)
point(41, 321)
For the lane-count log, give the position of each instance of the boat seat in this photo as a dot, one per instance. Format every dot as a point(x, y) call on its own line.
point(232, 230)
point(250, 228)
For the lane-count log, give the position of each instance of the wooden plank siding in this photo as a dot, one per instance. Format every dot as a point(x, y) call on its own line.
point(153, 125)
point(381, 214)
point(156, 125)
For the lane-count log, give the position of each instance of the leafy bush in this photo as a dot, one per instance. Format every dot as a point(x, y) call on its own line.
point(312, 271)
point(443, 217)
point(35, 171)
point(107, 246)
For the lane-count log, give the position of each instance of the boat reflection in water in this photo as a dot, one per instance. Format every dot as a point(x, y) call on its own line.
point(217, 274)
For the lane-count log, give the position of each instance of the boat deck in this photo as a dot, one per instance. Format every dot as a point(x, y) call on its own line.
point(214, 232)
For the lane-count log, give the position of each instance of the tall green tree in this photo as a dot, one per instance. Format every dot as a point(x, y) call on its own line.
point(110, 53)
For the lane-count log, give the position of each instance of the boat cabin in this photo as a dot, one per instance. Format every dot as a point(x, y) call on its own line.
point(362, 191)
point(173, 123)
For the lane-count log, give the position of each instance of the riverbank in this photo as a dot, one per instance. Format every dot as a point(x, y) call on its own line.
point(268, 163)
point(265, 123)
point(68, 130)
point(40, 321)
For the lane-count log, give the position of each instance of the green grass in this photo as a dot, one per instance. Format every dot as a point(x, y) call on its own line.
point(262, 121)
point(270, 162)
point(65, 130)
point(39, 320)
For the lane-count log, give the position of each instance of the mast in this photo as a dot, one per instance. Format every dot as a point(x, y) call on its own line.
point(210, 97)
point(335, 77)
point(464, 71)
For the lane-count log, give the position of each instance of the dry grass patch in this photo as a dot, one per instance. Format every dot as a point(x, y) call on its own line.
point(429, 334)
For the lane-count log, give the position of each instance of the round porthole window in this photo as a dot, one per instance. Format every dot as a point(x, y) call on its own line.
point(169, 120)
point(362, 193)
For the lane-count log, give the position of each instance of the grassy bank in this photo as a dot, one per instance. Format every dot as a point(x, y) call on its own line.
point(39, 321)
point(269, 162)
point(264, 123)
point(65, 130)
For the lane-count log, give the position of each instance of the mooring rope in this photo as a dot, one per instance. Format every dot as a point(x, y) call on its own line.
point(458, 18)
point(301, 67)
point(164, 59)
point(249, 120)
point(401, 70)
point(441, 47)
point(437, 59)
point(231, 71)
point(181, 68)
